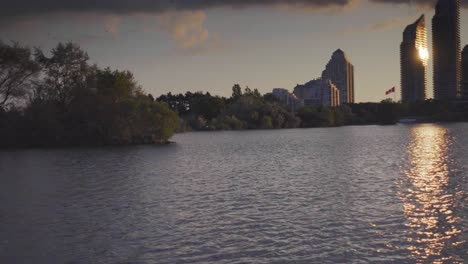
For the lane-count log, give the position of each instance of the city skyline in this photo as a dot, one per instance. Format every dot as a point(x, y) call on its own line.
point(333, 88)
point(210, 49)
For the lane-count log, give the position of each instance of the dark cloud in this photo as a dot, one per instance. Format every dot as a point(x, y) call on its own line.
point(415, 2)
point(16, 8)
point(418, 2)
point(11, 9)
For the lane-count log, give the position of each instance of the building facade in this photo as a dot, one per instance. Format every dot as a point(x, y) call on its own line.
point(446, 50)
point(341, 72)
point(465, 73)
point(413, 62)
point(287, 98)
point(319, 92)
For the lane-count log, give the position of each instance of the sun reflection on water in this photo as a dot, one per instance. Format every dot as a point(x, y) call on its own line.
point(428, 199)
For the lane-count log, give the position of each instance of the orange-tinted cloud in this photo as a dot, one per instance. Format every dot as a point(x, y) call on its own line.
point(187, 28)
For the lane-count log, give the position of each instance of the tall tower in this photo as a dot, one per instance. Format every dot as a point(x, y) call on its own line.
point(414, 59)
point(446, 53)
point(341, 72)
point(465, 73)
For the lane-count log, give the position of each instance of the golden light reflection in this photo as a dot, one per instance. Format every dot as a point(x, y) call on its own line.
point(428, 203)
point(423, 53)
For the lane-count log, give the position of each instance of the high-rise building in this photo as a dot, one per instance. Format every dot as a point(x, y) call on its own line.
point(446, 50)
point(465, 72)
point(414, 60)
point(319, 92)
point(341, 72)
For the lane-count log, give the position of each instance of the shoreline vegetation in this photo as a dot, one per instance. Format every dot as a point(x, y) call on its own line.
point(251, 110)
point(62, 100)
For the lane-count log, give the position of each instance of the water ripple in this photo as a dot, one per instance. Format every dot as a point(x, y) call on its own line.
point(346, 195)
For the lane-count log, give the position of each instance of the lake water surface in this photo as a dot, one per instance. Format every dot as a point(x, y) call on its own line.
point(373, 194)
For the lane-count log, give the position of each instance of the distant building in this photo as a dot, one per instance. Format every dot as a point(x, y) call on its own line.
point(287, 98)
point(446, 50)
point(341, 72)
point(414, 60)
point(465, 72)
point(319, 92)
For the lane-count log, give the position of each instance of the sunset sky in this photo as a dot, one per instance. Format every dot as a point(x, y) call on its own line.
point(209, 45)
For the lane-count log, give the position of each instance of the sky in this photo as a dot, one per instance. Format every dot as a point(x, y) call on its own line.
point(210, 45)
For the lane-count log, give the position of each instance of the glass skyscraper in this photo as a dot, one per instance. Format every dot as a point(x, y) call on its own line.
point(465, 73)
point(414, 60)
point(446, 50)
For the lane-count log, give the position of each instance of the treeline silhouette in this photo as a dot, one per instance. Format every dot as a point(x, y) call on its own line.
point(248, 109)
point(243, 110)
point(63, 100)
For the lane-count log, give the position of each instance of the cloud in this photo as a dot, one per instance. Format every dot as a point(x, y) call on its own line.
point(187, 28)
point(18, 8)
point(422, 3)
point(331, 8)
point(23, 8)
point(417, 2)
point(382, 25)
point(392, 23)
point(112, 24)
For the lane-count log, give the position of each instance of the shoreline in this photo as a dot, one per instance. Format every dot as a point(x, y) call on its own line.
point(170, 142)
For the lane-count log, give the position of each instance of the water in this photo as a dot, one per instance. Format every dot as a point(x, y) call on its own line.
point(395, 194)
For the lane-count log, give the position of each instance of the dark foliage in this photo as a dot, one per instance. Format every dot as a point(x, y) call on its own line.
point(17, 70)
point(74, 103)
point(244, 110)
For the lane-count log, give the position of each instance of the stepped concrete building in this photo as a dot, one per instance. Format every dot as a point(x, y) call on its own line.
point(414, 60)
point(319, 92)
point(287, 98)
point(446, 50)
point(465, 72)
point(341, 72)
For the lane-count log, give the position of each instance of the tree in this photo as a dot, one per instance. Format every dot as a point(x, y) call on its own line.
point(236, 91)
point(386, 112)
point(269, 97)
point(116, 85)
point(17, 70)
point(66, 72)
point(206, 105)
point(247, 91)
point(309, 116)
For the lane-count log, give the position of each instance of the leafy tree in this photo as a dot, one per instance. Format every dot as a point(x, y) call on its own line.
point(266, 123)
point(236, 92)
point(386, 112)
point(116, 85)
point(178, 103)
point(75, 103)
point(17, 70)
point(195, 105)
point(309, 116)
point(269, 97)
point(66, 72)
